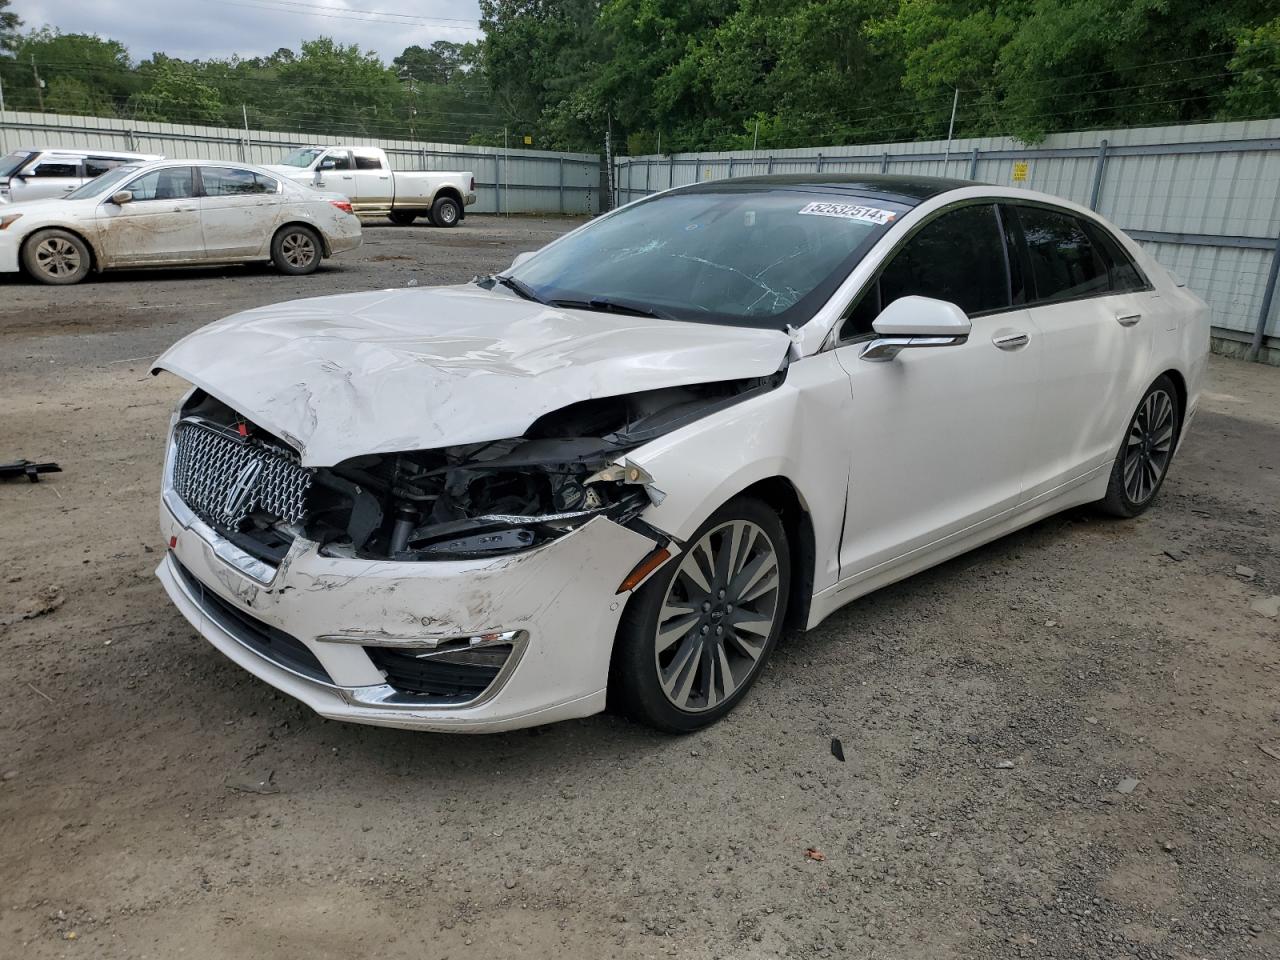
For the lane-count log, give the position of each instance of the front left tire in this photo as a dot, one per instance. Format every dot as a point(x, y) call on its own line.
point(696, 636)
point(56, 257)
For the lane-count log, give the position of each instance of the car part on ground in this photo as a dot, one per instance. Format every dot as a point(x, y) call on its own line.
point(28, 469)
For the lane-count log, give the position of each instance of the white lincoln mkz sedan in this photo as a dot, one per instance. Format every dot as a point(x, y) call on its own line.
point(175, 213)
point(613, 473)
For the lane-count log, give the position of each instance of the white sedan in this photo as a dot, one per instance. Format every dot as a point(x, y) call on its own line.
point(615, 472)
point(175, 213)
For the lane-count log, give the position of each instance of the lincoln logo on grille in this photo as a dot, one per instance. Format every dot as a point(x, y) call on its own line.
point(239, 493)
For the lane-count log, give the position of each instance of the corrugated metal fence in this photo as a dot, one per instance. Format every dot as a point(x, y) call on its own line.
point(1204, 199)
point(517, 181)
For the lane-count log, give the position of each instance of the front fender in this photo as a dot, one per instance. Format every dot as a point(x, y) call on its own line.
point(798, 432)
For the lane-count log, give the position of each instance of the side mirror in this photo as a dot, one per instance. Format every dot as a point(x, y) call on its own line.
point(521, 258)
point(911, 322)
point(326, 165)
point(121, 197)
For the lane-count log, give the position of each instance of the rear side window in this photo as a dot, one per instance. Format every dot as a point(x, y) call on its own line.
point(1124, 273)
point(364, 162)
point(960, 257)
point(234, 182)
point(1065, 261)
point(55, 168)
point(97, 166)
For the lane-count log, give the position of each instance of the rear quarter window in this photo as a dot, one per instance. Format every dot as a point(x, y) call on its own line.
point(1066, 263)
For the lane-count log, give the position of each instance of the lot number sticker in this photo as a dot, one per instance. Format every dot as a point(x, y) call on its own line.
point(848, 211)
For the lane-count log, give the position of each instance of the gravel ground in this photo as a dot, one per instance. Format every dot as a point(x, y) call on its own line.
point(1066, 744)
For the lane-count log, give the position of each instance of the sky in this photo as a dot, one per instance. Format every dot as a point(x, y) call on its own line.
point(193, 29)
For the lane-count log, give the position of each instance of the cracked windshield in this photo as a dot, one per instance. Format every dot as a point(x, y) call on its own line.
point(766, 258)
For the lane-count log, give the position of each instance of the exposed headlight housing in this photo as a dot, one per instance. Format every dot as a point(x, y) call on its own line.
point(6, 220)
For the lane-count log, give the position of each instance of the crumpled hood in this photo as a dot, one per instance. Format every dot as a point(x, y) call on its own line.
point(422, 369)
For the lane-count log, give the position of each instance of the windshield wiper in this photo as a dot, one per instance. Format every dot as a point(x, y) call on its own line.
point(519, 286)
point(605, 305)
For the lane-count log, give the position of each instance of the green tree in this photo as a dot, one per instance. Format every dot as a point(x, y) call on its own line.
point(176, 93)
point(1255, 90)
point(9, 24)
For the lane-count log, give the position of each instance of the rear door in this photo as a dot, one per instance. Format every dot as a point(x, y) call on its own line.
point(239, 211)
point(375, 188)
point(939, 436)
point(1092, 312)
point(161, 224)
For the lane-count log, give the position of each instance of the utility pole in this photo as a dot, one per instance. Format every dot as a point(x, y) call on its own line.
point(4, 148)
point(951, 127)
point(659, 143)
point(244, 150)
point(39, 85)
point(608, 158)
point(506, 169)
point(755, 141)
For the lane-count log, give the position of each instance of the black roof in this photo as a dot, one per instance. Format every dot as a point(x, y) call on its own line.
point(909, 190)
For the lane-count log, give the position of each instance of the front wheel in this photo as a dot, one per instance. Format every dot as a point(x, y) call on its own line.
point(1146, 452)
point(56, 257)
point(445, 212)
point(296, 250)
point(695, 637)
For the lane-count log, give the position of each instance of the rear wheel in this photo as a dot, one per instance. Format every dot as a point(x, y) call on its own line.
point(1146, 452)
point(403, 218)
point(446, 212)
point(56, 257)
point(296, 250)
point(696, 636)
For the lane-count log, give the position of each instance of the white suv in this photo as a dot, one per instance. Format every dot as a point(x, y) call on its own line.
point(35, 173)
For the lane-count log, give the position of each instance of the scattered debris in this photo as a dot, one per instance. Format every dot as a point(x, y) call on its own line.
point(45, 600)
point(1003, 765)
point(1092, 721)
point(1267, 606)
point(813, 853)
point(1246, 572)
point(35, 689)
point(1271, 752)
point(1178, 555)
point(1127, 785)
point(263, 785)
point(837, 749)
point(25, 468)
point(1051, 623)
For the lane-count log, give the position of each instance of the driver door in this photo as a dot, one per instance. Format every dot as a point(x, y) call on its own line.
point(161, 224)
point(939, 435)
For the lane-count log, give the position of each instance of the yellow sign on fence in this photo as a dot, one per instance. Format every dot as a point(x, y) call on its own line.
point(1020, 170)
point(528, 139)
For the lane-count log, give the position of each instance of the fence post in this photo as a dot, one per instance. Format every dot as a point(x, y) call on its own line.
point(819, 163)
point(1260, 334)
point(973, 164)
point(1098, 166)
point(731, 168)
point(884, 163)
point(647, 163)
point(497, 182)
point(562, 184)
point(769, 169)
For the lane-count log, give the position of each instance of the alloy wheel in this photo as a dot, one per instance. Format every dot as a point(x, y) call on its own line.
point(717, 616)
point(298, 249)
point(1149, 447)
point(57, 257)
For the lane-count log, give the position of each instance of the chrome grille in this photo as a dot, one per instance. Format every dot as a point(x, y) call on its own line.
point(224, 477)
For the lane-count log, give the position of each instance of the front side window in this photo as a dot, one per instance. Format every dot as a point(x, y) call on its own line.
point(234, 182)
point(366, 162)
point(763, 257)
point(302, 157)
point(56, 168)
point(1065, 262)
point(168, 183)
point(341, 160)
point(959, 257)
point(12, 163)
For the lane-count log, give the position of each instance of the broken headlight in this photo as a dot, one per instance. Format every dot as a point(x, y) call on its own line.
point(467, 502)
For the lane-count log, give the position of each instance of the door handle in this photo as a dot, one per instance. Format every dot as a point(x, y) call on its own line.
point(1128, 319)
point(184, 209)
point(1011, 341)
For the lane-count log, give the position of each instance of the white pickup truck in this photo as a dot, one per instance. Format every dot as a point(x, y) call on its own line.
point(375, 190)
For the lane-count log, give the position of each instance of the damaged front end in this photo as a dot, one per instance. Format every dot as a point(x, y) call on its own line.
point(461, 502)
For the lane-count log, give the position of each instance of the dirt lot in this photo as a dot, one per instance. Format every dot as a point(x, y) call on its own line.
point(989, 710)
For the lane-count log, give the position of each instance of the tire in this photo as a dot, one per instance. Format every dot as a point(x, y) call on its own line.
point(681, 687)
point(296, 250)
point(1145, 453)
point(56, 257)
point(446, 212)
point(403, 218)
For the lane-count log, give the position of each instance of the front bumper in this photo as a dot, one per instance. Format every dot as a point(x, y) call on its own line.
point(562, 595)
point(8, 252)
